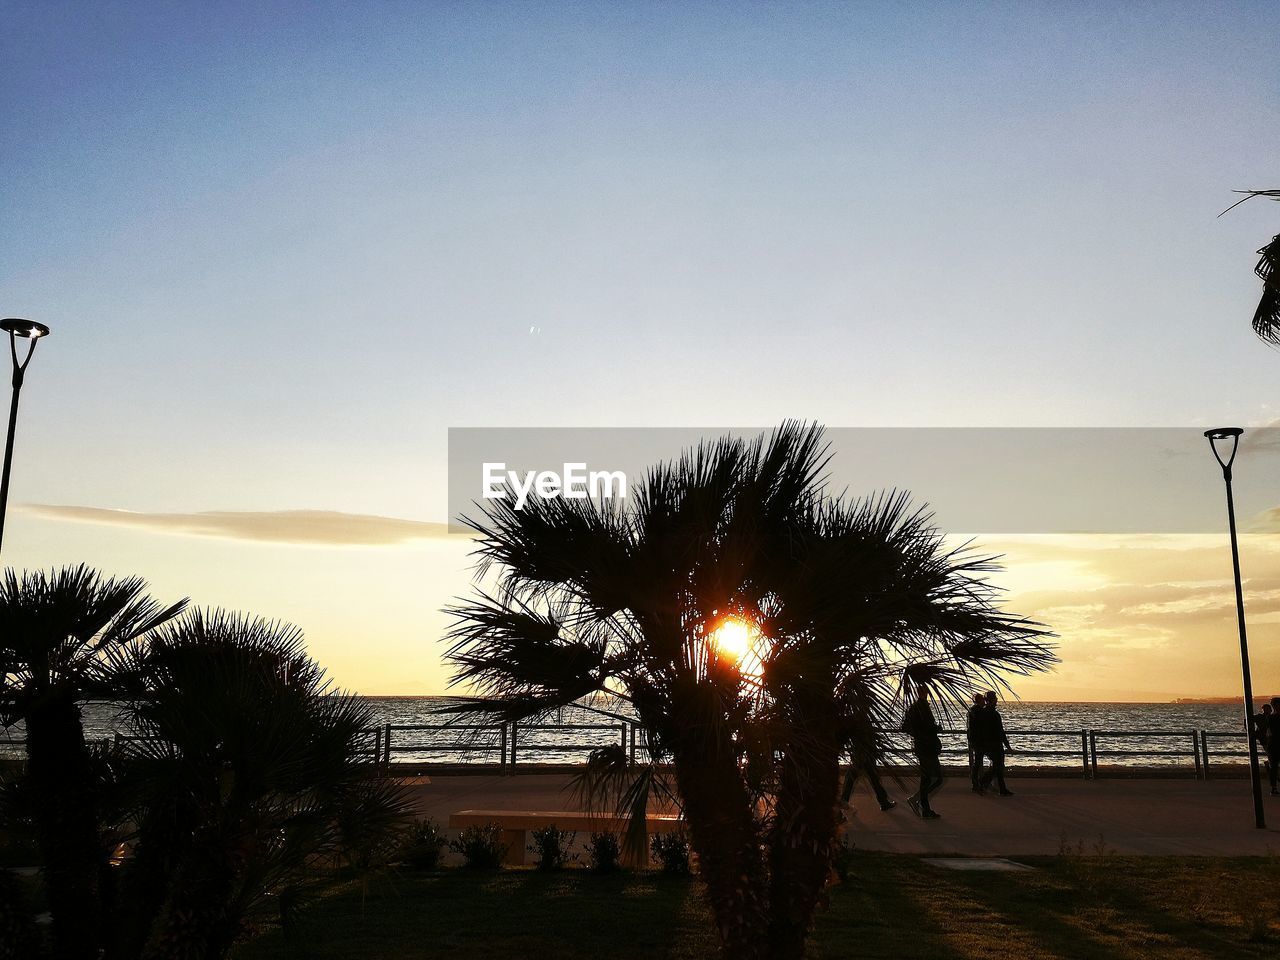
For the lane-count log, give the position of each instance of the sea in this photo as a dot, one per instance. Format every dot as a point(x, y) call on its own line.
point(428, 730)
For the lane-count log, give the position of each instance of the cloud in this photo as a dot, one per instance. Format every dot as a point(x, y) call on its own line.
point(1268, 521)
point(315, 527)
point(1264, 439)
point(1148, 614)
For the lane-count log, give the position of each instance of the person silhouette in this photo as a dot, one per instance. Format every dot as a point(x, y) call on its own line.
point(1272, 744)
point(859, 736)
point(1258, 731)
point(1258, 726)
point(994, 743)
point(863, 758)
point(919, 722)
point(973, 734)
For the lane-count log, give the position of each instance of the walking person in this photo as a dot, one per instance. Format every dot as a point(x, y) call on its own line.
point(1272, 744)
point(994, 744)
point(864, 757)
point(919, 722)
point(863, 761)
point(1259, 725)
point(973, 734)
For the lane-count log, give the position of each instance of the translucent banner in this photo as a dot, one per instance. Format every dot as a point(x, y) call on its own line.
point(975, 480)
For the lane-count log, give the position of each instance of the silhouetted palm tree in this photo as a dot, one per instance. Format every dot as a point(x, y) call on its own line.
point(1266, 319)
point(56, 631)
point(247, 768)
point(853, 604)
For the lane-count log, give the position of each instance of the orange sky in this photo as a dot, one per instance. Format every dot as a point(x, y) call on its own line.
point(1139, 617)
point(282, 256)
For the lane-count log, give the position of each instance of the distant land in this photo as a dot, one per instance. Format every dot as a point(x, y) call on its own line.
point(1234, 700)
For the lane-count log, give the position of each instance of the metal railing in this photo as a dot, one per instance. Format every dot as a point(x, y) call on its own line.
point(466, 739)
point(1192, 746)
point(508, 740)
point(505, 745)
point(512, 742)
point(1239, 752)
point(1068, 755)
point(1177, 739)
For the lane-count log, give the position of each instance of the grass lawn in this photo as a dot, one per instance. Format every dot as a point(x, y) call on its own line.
point(17, 851)
point(516, 913)
point(1071, 907)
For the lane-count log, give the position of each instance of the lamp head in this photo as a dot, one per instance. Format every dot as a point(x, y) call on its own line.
point(1224, 433)
point(30, 329)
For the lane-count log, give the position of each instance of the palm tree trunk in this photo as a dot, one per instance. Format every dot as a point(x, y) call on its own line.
point(146, 886)
point(722, 832)
point(60, 775)
point(806, 820)
point(197, 920)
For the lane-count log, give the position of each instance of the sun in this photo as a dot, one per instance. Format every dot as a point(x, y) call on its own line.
point(735, 639)
point(739, 640)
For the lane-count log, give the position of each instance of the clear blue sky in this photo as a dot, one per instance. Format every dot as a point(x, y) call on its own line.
point(284, 247)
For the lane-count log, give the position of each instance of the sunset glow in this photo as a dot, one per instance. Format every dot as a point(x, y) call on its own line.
point(442, 143)
point(640, 479)
point(738, 640)
point(733, 638)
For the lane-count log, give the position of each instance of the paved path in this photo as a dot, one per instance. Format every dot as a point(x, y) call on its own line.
point(1154, 817)
point(1181, 817)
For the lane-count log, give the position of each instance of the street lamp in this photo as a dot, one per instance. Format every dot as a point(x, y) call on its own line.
point(31, 331)
point(1233, 434)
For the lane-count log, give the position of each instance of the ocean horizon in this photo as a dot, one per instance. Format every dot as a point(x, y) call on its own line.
point(1166, 729)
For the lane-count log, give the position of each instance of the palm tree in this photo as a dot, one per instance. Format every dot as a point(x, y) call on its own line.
point(56, 631)
point(851, 605)
point(1266, 319)
point(247, 768)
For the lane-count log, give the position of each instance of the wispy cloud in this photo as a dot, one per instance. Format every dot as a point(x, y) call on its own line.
point(1268, 521)
point(321, 527)
point(1264, 439)
point(1137, 614)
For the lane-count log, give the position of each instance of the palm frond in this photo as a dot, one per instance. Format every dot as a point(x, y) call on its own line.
point(238, 743)
point(512, 651)
point(61, 629)
point(610, 783)
point(1266, 319)
point(1249, 195)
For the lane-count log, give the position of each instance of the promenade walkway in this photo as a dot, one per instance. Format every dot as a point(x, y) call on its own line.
point(1131, 816)
point(1145, 817)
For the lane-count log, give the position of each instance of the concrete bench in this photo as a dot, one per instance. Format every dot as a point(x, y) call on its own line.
point(515, 823)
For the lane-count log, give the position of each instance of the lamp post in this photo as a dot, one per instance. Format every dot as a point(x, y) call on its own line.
point(31, 331)
point(1233, 434)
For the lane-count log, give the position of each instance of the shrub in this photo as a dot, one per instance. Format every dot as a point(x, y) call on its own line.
point(481, 847)
point(605, 852)
point(672, 852)
point(842, 858)
point(17, 828)
point(370, 822)
point(423, 844)
point(551, 846)
point(19, 938)
point(234, 732)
